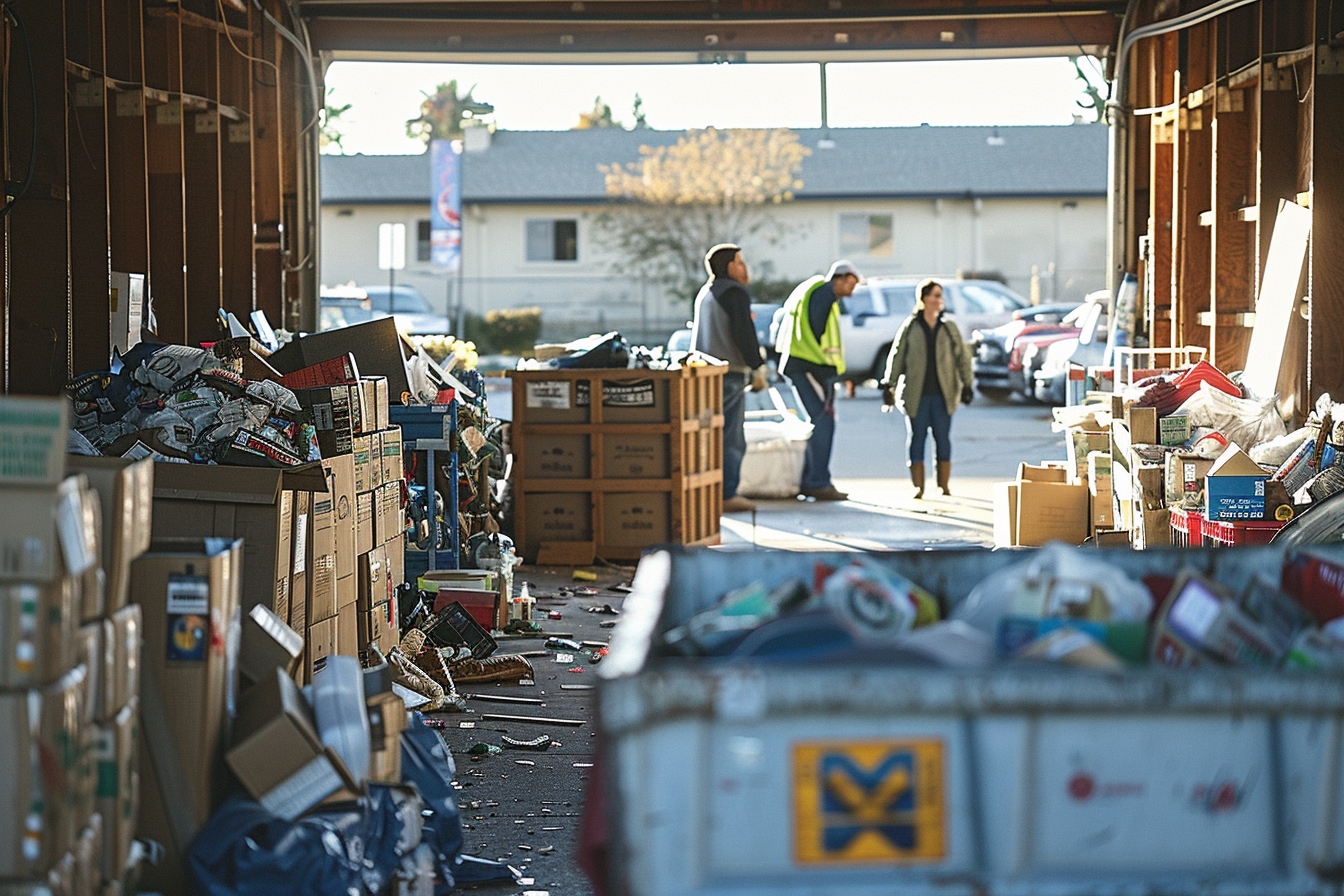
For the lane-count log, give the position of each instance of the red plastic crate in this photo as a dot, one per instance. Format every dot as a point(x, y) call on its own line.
point(1187, 528)
point(1221, 533)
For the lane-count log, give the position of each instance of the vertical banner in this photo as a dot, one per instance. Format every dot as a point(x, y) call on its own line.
point(445, 237)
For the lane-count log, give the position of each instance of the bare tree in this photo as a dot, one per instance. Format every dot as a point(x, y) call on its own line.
point(712, 186)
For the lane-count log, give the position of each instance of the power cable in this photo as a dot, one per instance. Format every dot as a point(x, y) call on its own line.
point(17, 23)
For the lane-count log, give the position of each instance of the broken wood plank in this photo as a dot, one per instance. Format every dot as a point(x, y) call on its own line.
point(535, 720)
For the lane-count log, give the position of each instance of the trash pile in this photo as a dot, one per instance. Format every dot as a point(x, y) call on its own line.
point(1062, 605)
point(177, 403)
point(610, 350)
point(1184, 457)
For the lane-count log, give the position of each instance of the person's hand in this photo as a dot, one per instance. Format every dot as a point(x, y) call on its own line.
point(759, 380)
point(888, 399)
point(967, 395)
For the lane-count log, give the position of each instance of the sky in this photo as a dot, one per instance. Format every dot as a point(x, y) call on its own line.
point(385, 95)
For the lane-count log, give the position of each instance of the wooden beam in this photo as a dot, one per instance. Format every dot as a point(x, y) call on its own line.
point(87, 171)
point(235, 165)
point(167, 221)
point(201, 155)
point(1325, 373)
point(37, 312)
point(1190, 241)
point(128, 173)
point(266, 185)
point(1233, 287)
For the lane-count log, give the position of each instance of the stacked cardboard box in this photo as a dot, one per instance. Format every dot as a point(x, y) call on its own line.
point(379, 522)
point(60, 681)
point(189, 592)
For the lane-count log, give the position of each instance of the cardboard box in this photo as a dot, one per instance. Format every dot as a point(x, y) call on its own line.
point(125, 490)
point(347, 592)
point(339, 369)
point(38, 626)
point(396, 561)
point(117, 754)
point(1005, 514)
point(1235, 487)
point(377, 626)
point(375, 578)
point(392, 460)
point(88, 854)
point(93, 646)
point(635, 456)
point(553, 401)
point(1173, 430)
point(277, 754)
point(189, 595)
point(1049, 508)
point(47, 531)
point(1142, 425)
point(1099, 489)
point(93, 583)
point(631, 401)
point(347, 631)
point(1149, 486)
point(391, 526)
point(368, 463)
point(37, 801)
point(268, 643)
point(321, 643)
point(376, 343)
point(334, 413)
point(299, 562)
point(1199, 620)
point(1151, 529)
point(1184, 483)
point(374, 390)
point(557, 457)
point(341, 481)
point(284, 553)
point(387, 719)
point(199, 501)
point(367, 505)
point(33, 433)
point(127, 648)
point(636, 519)
point(1082, 443)
point(556, 516)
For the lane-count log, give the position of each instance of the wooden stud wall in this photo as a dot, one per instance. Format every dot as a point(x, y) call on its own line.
point(1236, 115)
point(163, 150)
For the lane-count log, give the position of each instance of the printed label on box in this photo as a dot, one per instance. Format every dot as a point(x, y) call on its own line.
point(301, 545)
point(188, 618)
point(553, 394)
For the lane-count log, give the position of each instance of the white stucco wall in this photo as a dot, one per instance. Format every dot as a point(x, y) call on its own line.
point(1064, 239)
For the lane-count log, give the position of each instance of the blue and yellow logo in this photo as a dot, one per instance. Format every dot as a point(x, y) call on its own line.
point(869, 801)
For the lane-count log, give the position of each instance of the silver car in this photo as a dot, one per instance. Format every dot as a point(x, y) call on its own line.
point(873, 315)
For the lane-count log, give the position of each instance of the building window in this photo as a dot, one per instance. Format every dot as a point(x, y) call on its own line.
point(868, 235)
point(422, 240)
point(553, 239)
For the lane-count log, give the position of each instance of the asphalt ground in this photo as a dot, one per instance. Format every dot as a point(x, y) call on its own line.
point(528, 815)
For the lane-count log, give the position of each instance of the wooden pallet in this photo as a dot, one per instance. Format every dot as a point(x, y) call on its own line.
point(610, 478)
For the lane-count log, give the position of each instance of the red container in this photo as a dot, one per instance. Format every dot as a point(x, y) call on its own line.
point(480, 604)
point(1221, 533)
point(1187, 528)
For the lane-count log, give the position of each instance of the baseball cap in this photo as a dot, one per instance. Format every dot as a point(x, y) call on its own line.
point(841, 268)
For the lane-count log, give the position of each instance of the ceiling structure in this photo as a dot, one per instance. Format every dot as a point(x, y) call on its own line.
point(707, 31)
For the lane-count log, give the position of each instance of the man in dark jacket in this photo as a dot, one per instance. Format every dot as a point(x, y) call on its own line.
point(722, 328)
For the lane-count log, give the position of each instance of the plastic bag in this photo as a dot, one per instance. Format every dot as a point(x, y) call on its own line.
point(1058, 580)
point(1274, 452)
point(1243, 421)
point(876, 604)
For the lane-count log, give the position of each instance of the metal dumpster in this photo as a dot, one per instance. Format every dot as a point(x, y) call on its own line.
point(745, 778)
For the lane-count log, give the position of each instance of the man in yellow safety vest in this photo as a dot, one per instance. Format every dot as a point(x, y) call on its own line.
point(813, 359)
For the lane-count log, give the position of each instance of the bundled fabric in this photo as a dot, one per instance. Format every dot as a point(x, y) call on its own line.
point(1169, 392)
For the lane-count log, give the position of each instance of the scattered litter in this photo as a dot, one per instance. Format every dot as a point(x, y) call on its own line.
point(610, 623)
point(466, 724)
point(556, 643)
point(564, 657)
point(539, 744)
point(524, 847)
point(526, 881)
point(533, 653)
point(595, 645)
point(527, 682)
point(575, 669)
point(483, 750)
point(554, 614)
point(605, 610)
point(523, 762)
point(586, 591)
point(621, 588)
point(536, 893)
point(546, 850)
point(583, 765)
point(548, 830)
point(540, 720)
point(583, 575)
point(501, 698)
point(576, 687)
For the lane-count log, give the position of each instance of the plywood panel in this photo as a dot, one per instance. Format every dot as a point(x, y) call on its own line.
point(1190, 239)
point(1233, 250)
point(1324, 369)
point(200, 152)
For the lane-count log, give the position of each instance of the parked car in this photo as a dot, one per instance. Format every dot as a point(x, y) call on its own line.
point(996, 354)
point(1050, 375)
point(762, 315)
point(409, 308)
point(680, 340)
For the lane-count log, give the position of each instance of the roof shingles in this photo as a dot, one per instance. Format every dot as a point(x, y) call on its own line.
point(562, 166)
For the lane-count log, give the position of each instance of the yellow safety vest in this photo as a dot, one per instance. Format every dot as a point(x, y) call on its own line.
point(796, 339)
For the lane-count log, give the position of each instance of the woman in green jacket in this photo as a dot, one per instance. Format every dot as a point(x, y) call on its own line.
point(928, 369)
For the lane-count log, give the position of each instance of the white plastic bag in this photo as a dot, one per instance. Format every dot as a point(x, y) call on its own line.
point(1048, 583)
point(1243, 421)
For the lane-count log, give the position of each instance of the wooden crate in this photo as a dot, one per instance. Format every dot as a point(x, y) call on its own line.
point(611, 477)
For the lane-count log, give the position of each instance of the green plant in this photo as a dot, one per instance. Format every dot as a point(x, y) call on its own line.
point(504, 331)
